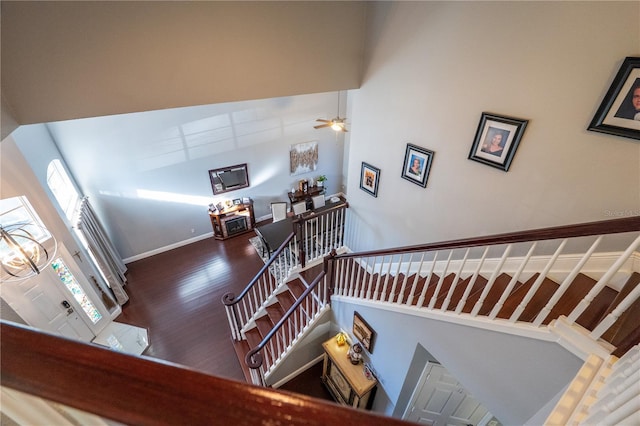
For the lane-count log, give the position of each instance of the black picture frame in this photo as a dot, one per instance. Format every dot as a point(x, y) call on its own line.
point(497, 140)
point(615, 115)
point(363, 332)
point(237, 201)
point(417, 164)
point(369, 179)
point(229, 178)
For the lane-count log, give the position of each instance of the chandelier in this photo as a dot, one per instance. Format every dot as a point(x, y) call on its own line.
point(25, 250)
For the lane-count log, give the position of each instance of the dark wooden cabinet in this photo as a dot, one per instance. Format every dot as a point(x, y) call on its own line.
point(311, 191)
point(232, 221)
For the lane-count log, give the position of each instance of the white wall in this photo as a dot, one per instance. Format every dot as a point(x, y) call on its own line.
point(512, 376)
point(147, 173)
point(434, 67)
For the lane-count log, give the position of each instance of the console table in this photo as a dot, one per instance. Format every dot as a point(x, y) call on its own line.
point(232, 221)
point(312, 191)
point(346, 382)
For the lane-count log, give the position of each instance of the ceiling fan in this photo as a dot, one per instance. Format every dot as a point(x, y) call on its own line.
point(338, 124)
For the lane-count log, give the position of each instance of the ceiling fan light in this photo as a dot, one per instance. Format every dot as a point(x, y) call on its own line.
point(336, 126)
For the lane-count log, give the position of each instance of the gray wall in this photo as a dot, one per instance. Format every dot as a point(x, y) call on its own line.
point(147, 173)
point(65, 60)
point(433, 67)
point(512, 376)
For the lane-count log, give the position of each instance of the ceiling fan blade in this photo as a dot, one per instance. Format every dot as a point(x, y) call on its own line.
point(320, 126)
point(323, 121)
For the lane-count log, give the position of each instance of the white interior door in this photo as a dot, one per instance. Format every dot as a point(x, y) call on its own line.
point(440, 400)
point(41, 304)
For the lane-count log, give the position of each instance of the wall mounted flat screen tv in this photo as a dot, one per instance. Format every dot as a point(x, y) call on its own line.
point(229, 178)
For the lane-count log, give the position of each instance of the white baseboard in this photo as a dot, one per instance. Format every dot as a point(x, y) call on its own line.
point(167, 248)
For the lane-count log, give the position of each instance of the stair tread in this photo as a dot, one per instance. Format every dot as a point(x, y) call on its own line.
point(286, 300)
point(498, 287)
point(296, 287)
point(516, 296)
point(577, 290)
point(628, 321)
point(597, 308)
point(241, 349)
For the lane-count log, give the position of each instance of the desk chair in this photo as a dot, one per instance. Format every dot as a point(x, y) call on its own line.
point(318, 201)
point(299, 207)
point(279, 211)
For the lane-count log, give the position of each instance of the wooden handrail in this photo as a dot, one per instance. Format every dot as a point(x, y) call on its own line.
point(144, 391)
point(614, 226)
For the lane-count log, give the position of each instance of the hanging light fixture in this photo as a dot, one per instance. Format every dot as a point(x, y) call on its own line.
point(338, 124)
point(25, 250)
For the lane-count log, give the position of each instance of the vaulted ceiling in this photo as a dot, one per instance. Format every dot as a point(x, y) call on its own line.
point(68, 60)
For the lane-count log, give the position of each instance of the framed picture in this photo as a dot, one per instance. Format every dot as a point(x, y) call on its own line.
point(417, 164)
point(497, 140)
point(369, 179)
point(237, 201)
point(303, 158)
point(363, 332)
point(619, 112)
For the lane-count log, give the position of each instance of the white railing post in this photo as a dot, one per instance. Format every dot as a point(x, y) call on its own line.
point(467, 291)
point(428, 280)
point(538, 282)
point(487, 287)
point(434, 297)
point(447, 300)
point(586, 301)
point(613, 316)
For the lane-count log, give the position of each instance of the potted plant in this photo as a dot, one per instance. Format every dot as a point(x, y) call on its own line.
point(320, 180)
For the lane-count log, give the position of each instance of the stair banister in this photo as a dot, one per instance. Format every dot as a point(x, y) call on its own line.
point(231, 301)
point(143, 391)
point(566, 283)
point(584, 303)
point(253, 358)
point(538, 282)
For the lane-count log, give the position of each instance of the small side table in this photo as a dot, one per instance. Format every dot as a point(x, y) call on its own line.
point(346, 382)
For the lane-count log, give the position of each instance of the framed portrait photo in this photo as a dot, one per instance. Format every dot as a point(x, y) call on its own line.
point(369, 179)
point(619, 112)
point(363, 332)
point(497, 140)
point(417, 164)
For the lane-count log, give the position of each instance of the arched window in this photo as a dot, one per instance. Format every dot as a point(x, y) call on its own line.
point(62, 188)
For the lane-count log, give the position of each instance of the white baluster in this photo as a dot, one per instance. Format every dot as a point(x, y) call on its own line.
point(512, 283)
point(538, 282)
point(584, 303)
point(400, 298)
point(472, 282)
point(615, 314)
point(428, 280)
point(434, 297)
point(416, 277)
point(371, 274)
point(447, 299)
point(487, 287)
point(395, 280)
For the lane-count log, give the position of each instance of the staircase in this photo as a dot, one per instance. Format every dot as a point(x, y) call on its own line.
point(578, 282)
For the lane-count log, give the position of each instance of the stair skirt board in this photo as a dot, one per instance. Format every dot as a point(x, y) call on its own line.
point(297, 372)
point(594, 268)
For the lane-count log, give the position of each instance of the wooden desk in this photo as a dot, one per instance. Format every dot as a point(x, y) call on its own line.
point(345, 381)
point(312, 191)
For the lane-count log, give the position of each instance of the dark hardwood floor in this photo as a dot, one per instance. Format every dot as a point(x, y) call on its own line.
point(176, 296)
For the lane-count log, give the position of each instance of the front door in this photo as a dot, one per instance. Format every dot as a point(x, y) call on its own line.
point(440, 400)
point(41, 304)
point(55, 300)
